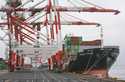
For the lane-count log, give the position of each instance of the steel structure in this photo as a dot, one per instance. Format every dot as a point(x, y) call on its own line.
point(27, 38)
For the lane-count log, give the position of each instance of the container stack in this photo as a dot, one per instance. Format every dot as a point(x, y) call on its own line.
point(72, 45)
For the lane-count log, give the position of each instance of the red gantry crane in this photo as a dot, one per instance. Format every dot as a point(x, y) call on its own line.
point(25, 33)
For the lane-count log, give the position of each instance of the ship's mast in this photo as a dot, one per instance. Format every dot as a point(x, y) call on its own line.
point(101, 36)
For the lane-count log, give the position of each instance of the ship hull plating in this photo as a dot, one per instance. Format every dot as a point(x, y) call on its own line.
point(96, 58)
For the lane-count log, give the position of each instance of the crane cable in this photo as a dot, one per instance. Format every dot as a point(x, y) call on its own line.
point(75, 4)
point(83, 21)
point(81, 3)
point(23, 4)
point(31, 17)
point(88, 3)
point(63, 18)
point(76, 18)
point(72, 3)
point(39, 17)
point(38, 4)
point(92, 4)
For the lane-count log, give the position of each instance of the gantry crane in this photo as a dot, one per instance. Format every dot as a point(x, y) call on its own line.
point(27, 39)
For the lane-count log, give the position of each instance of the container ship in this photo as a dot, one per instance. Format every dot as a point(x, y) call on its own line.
point(88, 57)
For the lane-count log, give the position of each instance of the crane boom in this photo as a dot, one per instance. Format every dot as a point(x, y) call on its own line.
point(86, 9)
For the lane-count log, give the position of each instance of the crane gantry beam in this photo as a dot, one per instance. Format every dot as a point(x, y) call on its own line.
point(62, 23)
point(63, 9)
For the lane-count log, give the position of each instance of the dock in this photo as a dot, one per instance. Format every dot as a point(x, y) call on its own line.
point(43, 75)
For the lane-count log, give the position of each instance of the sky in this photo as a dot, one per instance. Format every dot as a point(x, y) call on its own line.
point(114, 26)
